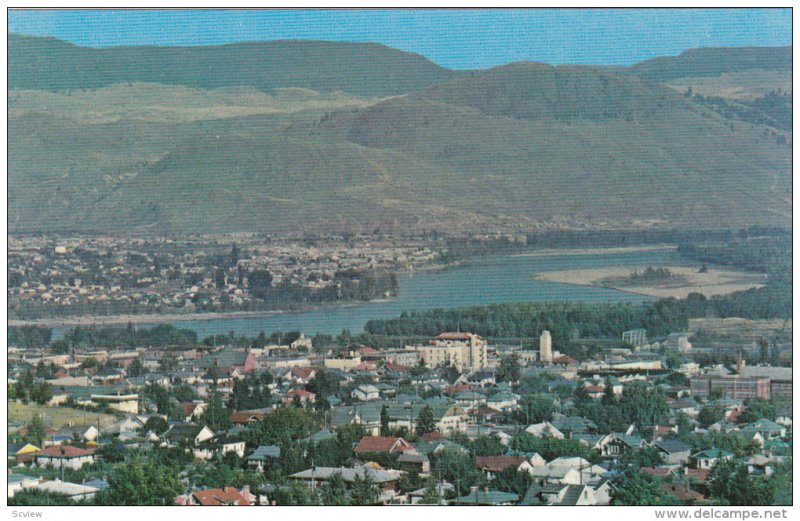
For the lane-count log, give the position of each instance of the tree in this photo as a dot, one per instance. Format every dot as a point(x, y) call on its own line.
point(156, 424)
point(431, 496)
point(110, 453)
point(763, 351)
point(609, 398)
point(450, 373)
point(513, 480)
point(457, 467)
point(135, 368)
point(41, 393)
point(35, 497)
point(36, 430)
point(425, 421)
point(709, 415)
point(90, 363)
point(139, 483)
point(259, 282)
point(509, 370)
point(757, 408)
point(385, 420)
point(216, 415)
point(334, 492)
point(234, 256)
point(364, 491)
point(535, 408)
point(632, 488)
point(775, 354)
point(219, 278)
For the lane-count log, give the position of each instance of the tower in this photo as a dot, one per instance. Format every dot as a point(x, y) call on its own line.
point(545, 347)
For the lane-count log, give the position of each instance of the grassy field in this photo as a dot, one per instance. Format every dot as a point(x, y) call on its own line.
point(57, 417)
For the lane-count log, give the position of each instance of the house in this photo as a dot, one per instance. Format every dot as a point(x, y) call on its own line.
point(187, 434)
point(683, 493)
point(760, 464)
point(442, 490)
point(437, 446)
point(585, 469)
point(601, 489)
point(26, 453)
point(486, 497)
point(555, 474)
point(385, 479)
point(503, 400)
point(483, 413)
point(247, 417)
point(705, 459)
point(544, 430)
point(386, 444)
point(448, 418)
point(73, 491)
point(127, 428)
point(80, 432)
point(192, 411)
point(65, 456)
point(618, 443)
point(219, 445)
point(262, 455)
point(602, 443)
point(227, 360)
point(225, 496)
point(768, 429)
point(365, 393)
point(368, 415)
point(674, 452)
point(414, 461)
point(301, 375)
point(555, 494)
point(492, 465)
point(18, 482)
point(303, 396)
point(574, 424)
point(319, 436)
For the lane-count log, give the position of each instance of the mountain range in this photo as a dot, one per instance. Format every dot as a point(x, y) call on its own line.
point(297, 136)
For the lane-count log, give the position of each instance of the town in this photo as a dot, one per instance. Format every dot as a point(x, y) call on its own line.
point(450, 420)
point(84, 275)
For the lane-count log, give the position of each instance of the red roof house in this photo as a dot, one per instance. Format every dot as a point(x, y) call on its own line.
point(388, 444)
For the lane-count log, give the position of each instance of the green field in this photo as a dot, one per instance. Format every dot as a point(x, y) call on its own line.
point(56, 417)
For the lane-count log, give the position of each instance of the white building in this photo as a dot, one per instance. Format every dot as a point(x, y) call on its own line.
point(466, 351)
point(545, 347)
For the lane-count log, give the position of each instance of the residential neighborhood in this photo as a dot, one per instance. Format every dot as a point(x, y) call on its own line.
point(454, 420)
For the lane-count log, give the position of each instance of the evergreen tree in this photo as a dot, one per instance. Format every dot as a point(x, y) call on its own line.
point(425, 421)
point(384, 420)
point(36, 430)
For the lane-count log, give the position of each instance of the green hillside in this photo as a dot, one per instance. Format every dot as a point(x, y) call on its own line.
point(359, 68)
point(712, 61)
point(520, 147)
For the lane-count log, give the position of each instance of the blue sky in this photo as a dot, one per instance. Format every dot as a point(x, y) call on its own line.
point(452, 38)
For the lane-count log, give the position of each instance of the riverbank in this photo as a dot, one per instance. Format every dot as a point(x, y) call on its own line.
point(161, 318)
point(157, 318)
point(710, 283)
point(598, 251)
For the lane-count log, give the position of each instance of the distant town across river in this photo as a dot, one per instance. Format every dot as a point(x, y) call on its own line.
point(479, 281)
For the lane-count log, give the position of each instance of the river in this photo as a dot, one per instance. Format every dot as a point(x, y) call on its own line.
point(484, 280)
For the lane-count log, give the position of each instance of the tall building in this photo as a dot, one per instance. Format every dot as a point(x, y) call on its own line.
point(466, 351)
point(545, 347)
point(732, 387)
